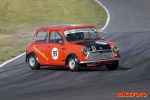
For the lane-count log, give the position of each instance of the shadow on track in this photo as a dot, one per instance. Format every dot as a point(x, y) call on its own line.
point(83, 69)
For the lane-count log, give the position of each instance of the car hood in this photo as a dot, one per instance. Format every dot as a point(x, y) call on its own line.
point(95, 45)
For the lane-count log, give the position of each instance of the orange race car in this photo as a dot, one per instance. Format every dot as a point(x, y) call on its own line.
point(72, 46)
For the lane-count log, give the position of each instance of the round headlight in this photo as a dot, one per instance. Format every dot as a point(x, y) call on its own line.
point(85, 50)
point(115, 48)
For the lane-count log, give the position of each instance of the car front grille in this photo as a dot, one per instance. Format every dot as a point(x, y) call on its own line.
point(99, 55)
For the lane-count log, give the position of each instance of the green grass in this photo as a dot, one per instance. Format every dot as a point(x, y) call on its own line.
point(20, 18)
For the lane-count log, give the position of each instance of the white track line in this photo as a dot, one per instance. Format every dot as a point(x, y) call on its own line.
point(108, 18)
point(11, 60)
point(108, 15)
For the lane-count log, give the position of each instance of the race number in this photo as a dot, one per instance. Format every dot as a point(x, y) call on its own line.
point(93, 48)
point(55, 53)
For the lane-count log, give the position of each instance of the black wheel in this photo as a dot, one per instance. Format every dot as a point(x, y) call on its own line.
point(113, 66)
point(73, 65)
point(33, 63)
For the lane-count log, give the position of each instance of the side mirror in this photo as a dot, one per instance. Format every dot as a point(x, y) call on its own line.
point(61, 42)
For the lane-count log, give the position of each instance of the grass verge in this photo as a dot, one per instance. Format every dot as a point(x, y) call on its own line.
point(19, 19)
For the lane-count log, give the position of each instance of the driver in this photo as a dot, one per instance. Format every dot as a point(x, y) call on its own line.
point(79, 36)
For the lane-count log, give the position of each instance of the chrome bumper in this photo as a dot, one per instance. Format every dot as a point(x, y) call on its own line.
point(86, 62)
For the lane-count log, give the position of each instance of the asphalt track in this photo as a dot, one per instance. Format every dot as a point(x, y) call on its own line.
point(129, 27)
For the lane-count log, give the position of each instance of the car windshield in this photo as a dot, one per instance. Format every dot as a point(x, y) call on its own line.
point(80, 34)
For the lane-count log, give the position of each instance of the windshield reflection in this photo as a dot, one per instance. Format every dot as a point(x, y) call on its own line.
point(80, 34)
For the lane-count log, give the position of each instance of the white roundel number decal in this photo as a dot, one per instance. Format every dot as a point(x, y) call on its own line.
point(55, 53)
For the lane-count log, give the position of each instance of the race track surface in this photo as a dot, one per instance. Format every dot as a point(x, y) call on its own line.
point(129, 27)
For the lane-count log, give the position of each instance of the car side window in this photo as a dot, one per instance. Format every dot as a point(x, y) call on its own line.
point(55, 37)
point(42, 36)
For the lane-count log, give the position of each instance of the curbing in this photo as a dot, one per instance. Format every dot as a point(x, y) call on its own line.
point(108, 15)
point(12, 59)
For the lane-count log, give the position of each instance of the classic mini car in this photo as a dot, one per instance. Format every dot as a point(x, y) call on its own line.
point(72, 46)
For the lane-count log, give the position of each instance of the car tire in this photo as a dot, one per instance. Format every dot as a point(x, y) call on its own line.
point(33, 63)
point(73, 65)
point(113, 66)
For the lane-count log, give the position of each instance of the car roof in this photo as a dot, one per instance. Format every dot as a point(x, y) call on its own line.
point(65, 26)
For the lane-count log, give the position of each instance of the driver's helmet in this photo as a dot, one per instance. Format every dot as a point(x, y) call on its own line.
point(79, 36)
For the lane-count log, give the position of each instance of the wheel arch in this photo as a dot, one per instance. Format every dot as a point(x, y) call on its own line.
point(75, 57)
point(32, 53)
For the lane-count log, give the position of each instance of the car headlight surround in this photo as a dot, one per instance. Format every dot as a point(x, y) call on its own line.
point(85, 50)
point(115, 48)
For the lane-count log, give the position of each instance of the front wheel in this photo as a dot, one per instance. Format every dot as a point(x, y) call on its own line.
point(33, 63)
point(113, 66)
point(73, 65)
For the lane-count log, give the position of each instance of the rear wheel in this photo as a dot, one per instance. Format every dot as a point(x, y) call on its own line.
point(113, 66)
point(33, 63)
point(73, 65)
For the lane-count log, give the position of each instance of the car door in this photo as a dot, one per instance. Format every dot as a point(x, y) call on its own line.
point(40, 46)
point(56, 49)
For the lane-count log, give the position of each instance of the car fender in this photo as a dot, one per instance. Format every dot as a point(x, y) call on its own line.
point(75, 57)
point(32, 53)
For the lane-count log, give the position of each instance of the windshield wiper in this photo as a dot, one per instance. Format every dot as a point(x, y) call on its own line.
point(87, 39)
point(96, 39)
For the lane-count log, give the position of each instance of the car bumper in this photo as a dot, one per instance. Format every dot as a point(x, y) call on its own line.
point(108, 60)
